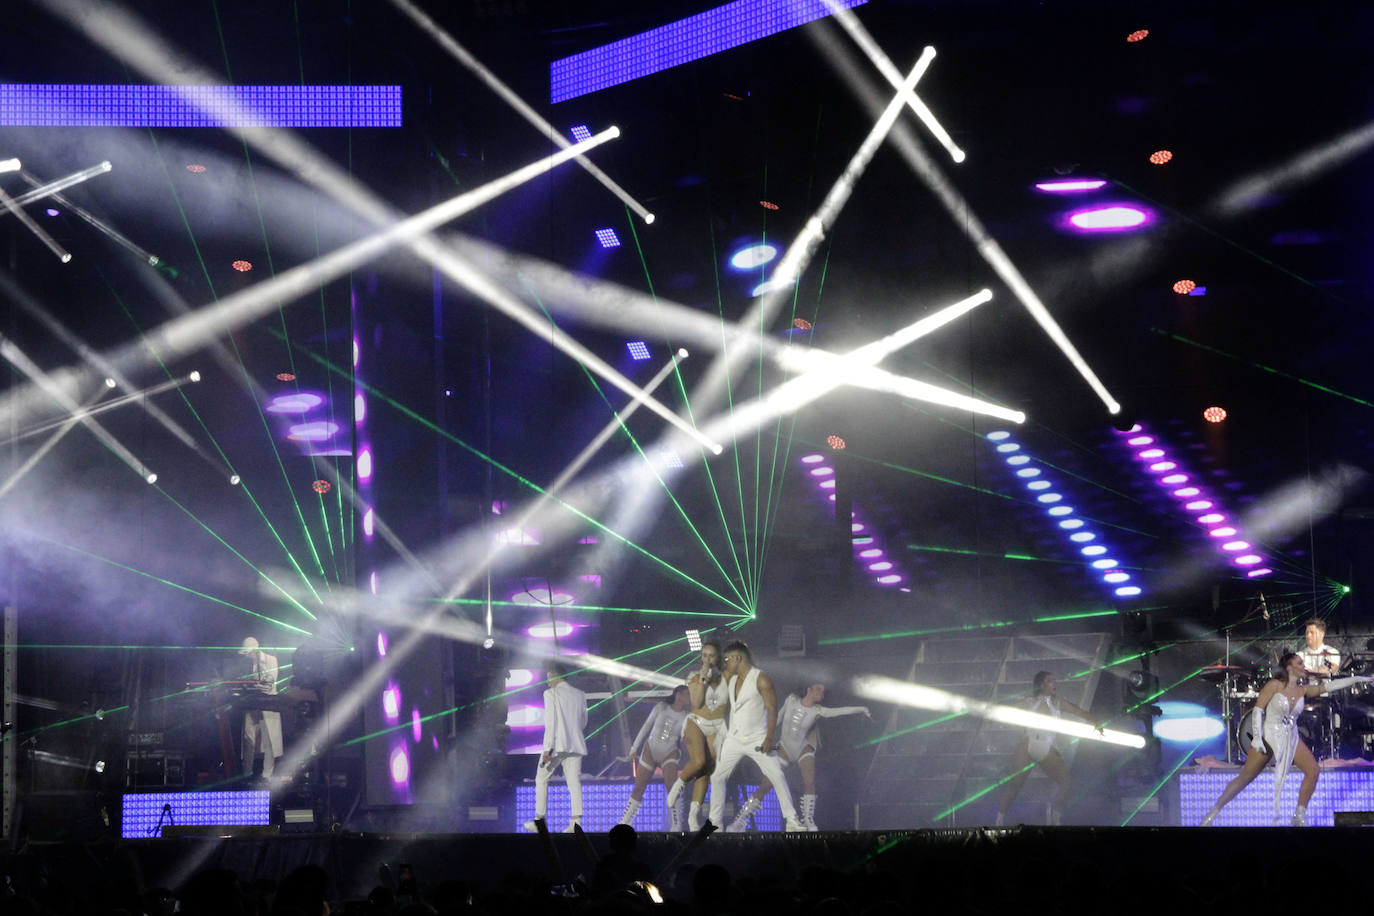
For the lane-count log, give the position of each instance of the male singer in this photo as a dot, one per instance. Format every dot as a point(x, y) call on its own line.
point(261, 727)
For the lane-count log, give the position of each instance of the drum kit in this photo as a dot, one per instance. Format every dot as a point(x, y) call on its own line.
point(1329, 725)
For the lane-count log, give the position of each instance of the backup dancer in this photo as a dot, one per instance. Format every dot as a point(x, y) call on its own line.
point(1274, 736)
point(798, 739)
point(704, 730)
point(660, 739)
point(1038, 747)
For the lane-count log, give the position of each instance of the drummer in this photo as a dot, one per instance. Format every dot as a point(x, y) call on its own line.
point(1320, 659)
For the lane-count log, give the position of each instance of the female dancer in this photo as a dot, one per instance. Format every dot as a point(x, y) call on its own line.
point(798, 739)
point(1038, 747)
point(660, 738)
point(1274, 736)
point(705, 727)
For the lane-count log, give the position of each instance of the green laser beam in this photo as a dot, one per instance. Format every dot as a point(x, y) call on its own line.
point(1215, 351)
point(1163, 782)
point(407, 412)
point(178, 586)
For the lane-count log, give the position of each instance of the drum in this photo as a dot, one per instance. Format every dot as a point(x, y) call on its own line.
point(1316, 725)
point(1242, 733)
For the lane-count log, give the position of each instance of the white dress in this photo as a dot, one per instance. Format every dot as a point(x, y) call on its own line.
point(1281, 734)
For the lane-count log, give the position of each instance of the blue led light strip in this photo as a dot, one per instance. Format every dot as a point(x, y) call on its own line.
point(120, 105)
point(1082, 536)
point(680, 42)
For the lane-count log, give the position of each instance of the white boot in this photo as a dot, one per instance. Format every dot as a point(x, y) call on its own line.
point(573, 824)
point(808, 812)
point(631, 809)
point(694, 817)
point(675, 793)
point(1300, 816)
point(674, 819)
point(741, 820)
point(1211, 816)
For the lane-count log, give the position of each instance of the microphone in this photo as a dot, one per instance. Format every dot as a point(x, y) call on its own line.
point(1264, 607)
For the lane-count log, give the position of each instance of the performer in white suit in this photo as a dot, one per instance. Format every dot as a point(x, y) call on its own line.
point(261, 727)
point(798, 739)
point(752, 733)
point(565, 720)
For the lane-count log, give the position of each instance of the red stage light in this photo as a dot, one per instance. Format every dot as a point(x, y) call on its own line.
point(1214, 414)
point(242, 266)
point(1184, 287)
point(768, 205)
point(801, 324)
point(1138, 35)
point(1161, 156)
point(321, 486)
point(286, 377)
point(195, 167)
point(834, 442)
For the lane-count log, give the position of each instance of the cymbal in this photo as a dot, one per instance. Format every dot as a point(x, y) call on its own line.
point(1219, 672)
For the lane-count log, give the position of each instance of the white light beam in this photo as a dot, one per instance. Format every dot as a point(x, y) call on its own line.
point(461, 54)
point(850, 23)
point(903, 693)
point(61, 184)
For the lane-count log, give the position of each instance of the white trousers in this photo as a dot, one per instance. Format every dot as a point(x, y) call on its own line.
point(572, 772)
point(732, 751)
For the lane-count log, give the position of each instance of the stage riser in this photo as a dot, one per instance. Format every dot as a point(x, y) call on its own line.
point(1338, 790)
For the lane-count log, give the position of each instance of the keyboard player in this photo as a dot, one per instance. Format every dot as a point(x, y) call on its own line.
point(261, 727)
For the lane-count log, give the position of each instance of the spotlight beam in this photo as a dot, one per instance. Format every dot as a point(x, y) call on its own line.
point(850, 23)
point(461, 54)
point(798, 255)
point(830, 371)
point(609, 305)
point(94, 359)
point(917, 696)
point(63, 427)
point(12, 206)
point(61, 184)
point(38, 377)
point(803, 247)
point(130, 41)
point(986, 246)
point(99, 225)
point(182, 335)
point(89, 410)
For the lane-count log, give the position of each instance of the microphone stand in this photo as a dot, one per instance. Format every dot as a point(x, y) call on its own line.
point(167, 813)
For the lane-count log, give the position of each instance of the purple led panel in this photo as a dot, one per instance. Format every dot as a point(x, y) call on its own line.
point(680, 42)
point(141, 811)
point(1339, 790)
point(581, 134)
point(608, 238)
point(638, 349)
point(121, 105)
